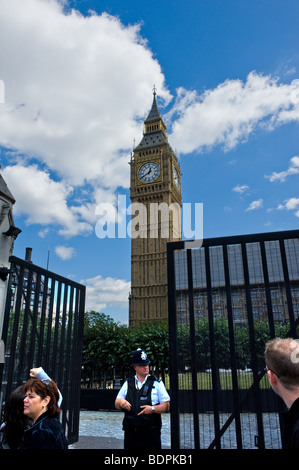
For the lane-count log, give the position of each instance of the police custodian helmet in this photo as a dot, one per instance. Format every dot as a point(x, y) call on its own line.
point(140, 358)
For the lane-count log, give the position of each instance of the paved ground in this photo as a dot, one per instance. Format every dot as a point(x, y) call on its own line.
point(103, 430)
point(96, 442)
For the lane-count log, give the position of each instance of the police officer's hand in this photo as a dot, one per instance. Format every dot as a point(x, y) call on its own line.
point(147, 410)
point(125, 405)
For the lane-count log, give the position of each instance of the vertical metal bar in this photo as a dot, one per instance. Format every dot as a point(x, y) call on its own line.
point(41, 348)
point(215, 370)
point(193, 352)
point(68, 353)
point(232, 348)
point(72, 354)
point(25, 339)
point(173, 350)
point(5, 328)
point(269, 303)
point(50, 307)
point(76, 365)
point(74, 397)
point(287, 287)
point(35, 336)
point(9, 297)
point(14, 334)
point(21, 337)
point(256, 392)
point(62, 345)
point(267, 289)
point(54, 371)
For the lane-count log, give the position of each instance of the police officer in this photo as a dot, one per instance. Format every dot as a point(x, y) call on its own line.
point(143, 399)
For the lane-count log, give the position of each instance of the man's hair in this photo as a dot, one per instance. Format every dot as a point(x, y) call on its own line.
point(282, 358)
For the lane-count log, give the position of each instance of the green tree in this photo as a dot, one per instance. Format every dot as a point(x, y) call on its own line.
point(108, 346)
point(100, 346)
point(154, 339)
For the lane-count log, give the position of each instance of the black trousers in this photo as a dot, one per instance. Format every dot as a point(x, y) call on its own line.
point(149, 439)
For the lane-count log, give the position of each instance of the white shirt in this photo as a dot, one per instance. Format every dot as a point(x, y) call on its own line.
point(158, 394)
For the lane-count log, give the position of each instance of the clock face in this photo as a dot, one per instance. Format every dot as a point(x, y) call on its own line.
point(176, 177)
point(149, 172)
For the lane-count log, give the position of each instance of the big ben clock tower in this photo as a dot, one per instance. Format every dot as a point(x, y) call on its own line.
point(156, 199)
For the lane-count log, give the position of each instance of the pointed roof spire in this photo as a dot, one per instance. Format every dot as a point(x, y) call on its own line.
point(154, 128)
point(154, 113)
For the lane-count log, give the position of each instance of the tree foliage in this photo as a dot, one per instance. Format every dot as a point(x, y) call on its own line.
point(108, 346)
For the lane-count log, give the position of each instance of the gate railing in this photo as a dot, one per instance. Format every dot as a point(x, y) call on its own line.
point(43, 326)
point(225, 300)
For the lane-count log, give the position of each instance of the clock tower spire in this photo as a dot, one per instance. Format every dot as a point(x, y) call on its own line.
point(156, 199)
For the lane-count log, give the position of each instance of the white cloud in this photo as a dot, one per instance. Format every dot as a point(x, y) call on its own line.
point(240, 188)
point(65, 252)
point(102, 292)
point(73, 106)
point(291, 204)
point(255, 205)
point(228, 114)
point(44, 232)
point(73, 98)
point(43, 200)
point(282, 176)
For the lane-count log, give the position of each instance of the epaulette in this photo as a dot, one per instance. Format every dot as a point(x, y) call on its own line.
point(150, 377)
point(153, 378)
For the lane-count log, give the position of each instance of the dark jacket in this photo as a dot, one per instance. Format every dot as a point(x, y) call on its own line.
point(138, 398)
point(46, 433)
point(290, 439)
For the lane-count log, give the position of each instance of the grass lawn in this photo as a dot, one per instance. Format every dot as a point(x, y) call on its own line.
point(204, 381)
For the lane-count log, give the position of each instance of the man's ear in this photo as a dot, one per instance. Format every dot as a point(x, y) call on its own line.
point(272, 377)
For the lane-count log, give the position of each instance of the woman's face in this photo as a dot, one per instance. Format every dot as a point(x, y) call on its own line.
point(34, 405)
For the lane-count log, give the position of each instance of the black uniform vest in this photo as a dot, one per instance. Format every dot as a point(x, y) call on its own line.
point(138, 398)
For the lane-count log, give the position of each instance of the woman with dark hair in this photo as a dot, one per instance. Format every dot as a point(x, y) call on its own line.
point(14, 420)
point(41, 405)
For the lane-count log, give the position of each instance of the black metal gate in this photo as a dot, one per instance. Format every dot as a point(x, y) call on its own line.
point(43, 326)
point(226, 299)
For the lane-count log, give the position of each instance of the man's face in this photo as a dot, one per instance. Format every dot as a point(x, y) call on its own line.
point(142, 370)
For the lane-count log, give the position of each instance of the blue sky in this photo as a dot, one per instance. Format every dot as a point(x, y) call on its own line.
point(78, 80)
